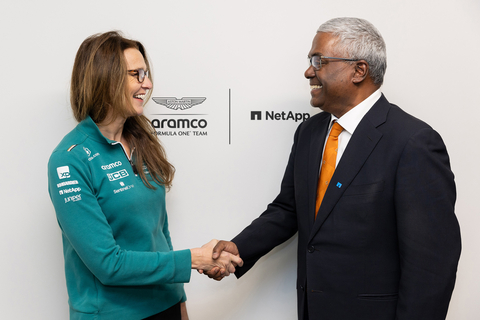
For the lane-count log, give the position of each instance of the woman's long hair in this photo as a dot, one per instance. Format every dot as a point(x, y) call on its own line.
point(99, 89)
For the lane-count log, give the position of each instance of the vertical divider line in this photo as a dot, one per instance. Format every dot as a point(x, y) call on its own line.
point(229, 116)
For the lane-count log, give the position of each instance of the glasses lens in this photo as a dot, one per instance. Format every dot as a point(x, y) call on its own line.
point(316, 62)
point(141, 75)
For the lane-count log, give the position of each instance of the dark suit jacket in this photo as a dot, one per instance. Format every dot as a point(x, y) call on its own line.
point(386, 242)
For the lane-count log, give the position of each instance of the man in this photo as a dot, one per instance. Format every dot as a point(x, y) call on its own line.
point(382, 242)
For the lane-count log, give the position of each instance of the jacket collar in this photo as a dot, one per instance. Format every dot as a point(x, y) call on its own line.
point(90, 128)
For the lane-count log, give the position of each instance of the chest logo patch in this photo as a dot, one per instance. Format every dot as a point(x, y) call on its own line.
point(117, 175)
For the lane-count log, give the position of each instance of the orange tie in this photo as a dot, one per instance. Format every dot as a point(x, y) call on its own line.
point(328, 164)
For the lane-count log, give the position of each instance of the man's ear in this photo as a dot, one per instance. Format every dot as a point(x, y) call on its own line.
point(361, 71)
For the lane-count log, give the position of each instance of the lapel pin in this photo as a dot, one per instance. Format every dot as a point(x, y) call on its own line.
point(339, 185)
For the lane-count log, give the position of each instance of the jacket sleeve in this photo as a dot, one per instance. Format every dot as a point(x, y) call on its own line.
point(89, 235)
point(166, 232)
point(428, 230)
point(275, 225)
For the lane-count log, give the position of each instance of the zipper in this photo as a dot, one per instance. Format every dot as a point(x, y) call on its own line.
point(134, 168)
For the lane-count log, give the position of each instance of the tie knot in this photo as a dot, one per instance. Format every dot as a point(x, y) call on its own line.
point(336, 130)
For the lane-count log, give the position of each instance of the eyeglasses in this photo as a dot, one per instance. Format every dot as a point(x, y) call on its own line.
point(139, 73)
point(316, 61)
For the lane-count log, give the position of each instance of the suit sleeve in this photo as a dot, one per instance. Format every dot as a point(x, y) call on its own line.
point(428, 230)
point(87, 230)
point(275, 225)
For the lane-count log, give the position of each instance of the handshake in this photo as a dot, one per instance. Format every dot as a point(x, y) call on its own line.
point(216, 259)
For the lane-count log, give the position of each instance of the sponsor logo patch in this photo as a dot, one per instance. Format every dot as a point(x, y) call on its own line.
point(77, 197)
point(66, 183)
point(112, 165)
point(124, 189)
point(117, 175)
point(70, 190)
point(63, 172)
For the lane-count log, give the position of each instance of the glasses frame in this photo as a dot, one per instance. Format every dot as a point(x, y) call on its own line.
point(323, 57)
point(139, 73)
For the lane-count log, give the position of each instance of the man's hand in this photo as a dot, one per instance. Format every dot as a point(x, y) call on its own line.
point(221, 248)
point(227, 246)
point(225, 262)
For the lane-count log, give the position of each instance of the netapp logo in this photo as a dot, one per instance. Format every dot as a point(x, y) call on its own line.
point(175, 104)
point(272, 115)
point(70, 190)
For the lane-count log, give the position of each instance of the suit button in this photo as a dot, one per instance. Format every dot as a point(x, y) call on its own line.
point(311, 249)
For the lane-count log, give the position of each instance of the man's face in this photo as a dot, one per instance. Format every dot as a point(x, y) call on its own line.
point(331, 86)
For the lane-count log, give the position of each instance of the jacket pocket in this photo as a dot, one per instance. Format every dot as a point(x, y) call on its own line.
point(364, 189)
point(378, 296)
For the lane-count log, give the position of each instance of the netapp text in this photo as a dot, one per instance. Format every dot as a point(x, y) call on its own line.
point(272, 115)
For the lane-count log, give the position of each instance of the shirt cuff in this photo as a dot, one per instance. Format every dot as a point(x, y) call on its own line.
point(183, 266)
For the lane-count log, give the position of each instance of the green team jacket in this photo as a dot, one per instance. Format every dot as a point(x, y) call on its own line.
point(119, 259)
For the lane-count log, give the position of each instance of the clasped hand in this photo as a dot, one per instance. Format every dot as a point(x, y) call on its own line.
point(221, 248)
point(223, 264)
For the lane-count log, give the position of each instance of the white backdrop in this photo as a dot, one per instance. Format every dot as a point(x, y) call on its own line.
point(242, 56)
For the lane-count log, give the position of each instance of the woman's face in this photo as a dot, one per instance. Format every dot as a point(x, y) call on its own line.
point(136, 90)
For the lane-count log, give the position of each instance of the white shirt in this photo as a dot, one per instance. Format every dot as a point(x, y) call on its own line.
point(349, 122)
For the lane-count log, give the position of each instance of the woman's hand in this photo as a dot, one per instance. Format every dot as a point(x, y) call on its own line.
point(202, 259)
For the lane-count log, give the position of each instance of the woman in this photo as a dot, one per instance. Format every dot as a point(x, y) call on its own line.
point(107, 181)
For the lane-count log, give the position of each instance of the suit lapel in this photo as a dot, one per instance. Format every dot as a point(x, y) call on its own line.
point(361, 145)
point(319, 134)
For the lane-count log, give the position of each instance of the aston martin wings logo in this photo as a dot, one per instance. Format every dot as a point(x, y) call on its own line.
point(175, 104)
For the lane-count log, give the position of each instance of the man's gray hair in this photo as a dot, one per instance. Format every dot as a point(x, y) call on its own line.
point(359, 39)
